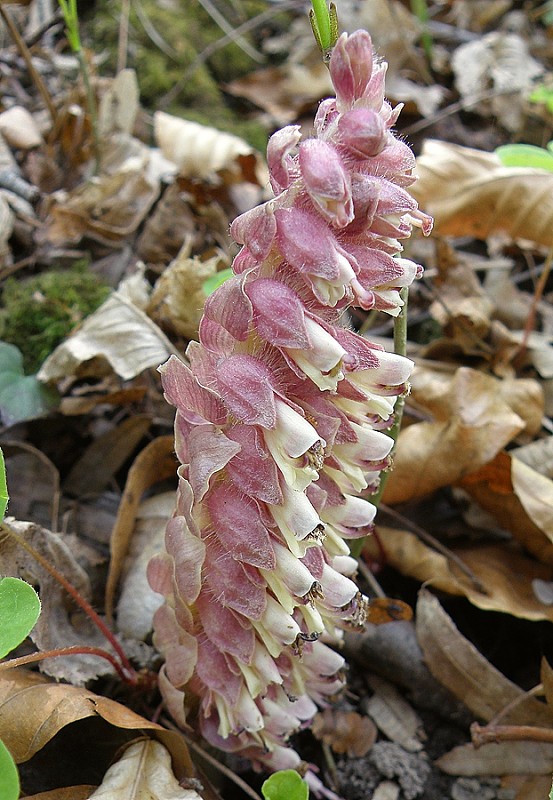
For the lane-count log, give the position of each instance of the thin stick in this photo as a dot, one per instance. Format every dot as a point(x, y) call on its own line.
point(123, 43)
point(508, 733)
point(132, 676)
point(27, 57)
point(76, 650)
point(531, 319)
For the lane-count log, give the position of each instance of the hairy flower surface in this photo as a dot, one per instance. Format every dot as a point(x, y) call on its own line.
point(281, 425)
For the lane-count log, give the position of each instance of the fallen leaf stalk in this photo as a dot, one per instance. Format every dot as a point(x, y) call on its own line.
point(282, 424)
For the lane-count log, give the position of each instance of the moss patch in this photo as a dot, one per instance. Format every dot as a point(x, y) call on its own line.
point(38, 313)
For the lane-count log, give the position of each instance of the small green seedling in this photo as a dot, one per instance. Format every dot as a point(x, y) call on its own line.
point(526, 155)
point(542, 95)
point(216, 280)
point(285, 785)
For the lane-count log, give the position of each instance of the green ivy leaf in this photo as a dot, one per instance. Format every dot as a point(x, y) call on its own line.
point(285, 785)
point(9, 779)
point(525, 155)
point(25, 397)
point(19, 610)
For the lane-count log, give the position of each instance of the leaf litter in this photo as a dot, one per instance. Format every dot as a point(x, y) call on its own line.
point(94, 478)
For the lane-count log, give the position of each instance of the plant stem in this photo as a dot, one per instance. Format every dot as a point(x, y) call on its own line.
point(400, 347)
point(79, 599)
point(75, 650)
point(508, 733)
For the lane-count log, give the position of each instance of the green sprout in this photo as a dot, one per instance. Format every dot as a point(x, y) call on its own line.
point(285, 784)
point(324, 22)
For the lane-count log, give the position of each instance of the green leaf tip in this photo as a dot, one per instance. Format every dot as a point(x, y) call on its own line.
point(9, 779)
point(285, 785)
point(324, 23)
point(19, 611)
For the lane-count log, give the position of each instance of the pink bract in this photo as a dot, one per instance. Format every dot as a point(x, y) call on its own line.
point(280, 426)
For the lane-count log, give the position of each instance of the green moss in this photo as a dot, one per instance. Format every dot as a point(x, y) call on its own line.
point(38, 313)
point(185, 29)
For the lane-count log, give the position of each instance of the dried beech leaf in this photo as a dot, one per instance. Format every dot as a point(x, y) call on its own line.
point(506, 574)
point(138, 602)
point(546, 675)
point(470, 193)
point(527, 787)
point(393, 715)
point(499, 61)
point(178, 297)
point(462, 669)
point(58, 624)
point(111, 206)
point(519, 498)
point(200, 151)
point(473, 421)
point(33, 711)
point(65, 793)
point(143, 773)
point(345, 731)
point(155, 463)
point(118, 332)
point(499, 758)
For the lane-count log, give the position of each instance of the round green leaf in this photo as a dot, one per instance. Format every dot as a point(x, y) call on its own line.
point(9, 779)
point(19, 610)
point(11, 359)
point(285, 785)
point(26, 398)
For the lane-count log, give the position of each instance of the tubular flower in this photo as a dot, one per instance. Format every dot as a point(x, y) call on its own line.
point(281, 424)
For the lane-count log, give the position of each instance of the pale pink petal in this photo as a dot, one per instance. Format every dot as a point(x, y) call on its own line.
point(209, 451)
point(245, 384)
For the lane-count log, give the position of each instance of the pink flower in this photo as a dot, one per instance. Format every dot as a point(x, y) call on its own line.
point(281, 422)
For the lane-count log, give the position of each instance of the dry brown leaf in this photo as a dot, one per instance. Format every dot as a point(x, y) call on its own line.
point(100, 461)
point(19, 129)
point(472, 420)
point(200, 151)
point(519, 498)
point(345, 731)
point(110, 207)
point(506, 573)
point(393, 715)
point(58, 625)
point(33, 711)
point(119, 105)
point(499, 61)
point(118, 333)
point(470, 193)
point(462, 669)
point(502, 758)
point(155, 463)
point(535, 787)
point(66, 793)
point(138, 602)
point(178, 297)
point(546, 676)
point(143, 773)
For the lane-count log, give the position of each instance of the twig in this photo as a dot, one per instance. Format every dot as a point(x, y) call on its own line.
point(27, 57)
point(536, 691)
point(76, 650)
point(123, 42)
point(508, 733)
point(436, 545)
point(531, 318)
point(225, 26)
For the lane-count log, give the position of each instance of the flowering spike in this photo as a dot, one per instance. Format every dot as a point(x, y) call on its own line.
point(281, 423)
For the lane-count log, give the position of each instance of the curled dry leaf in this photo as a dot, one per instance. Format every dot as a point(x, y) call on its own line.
point(345, 731)
point(201, 152)
point(110, 207)
point(143, 771)
point(118, 333)
point(501, 62)
point(393, 715)
point(58, 624)
point(33, 711)
point(472, 420)
point(155, 463)
point(520, 498)
point(462, 669)
point(470, 193)
point(178, 297)
point(505, 573)
point(65, 793)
